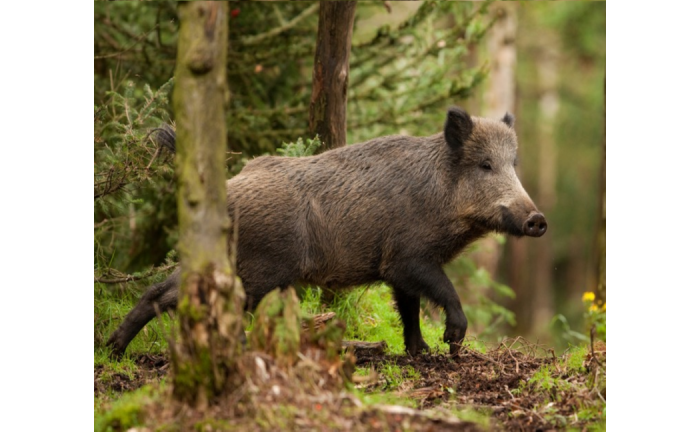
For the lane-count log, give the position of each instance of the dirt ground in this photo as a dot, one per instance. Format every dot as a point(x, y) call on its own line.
point(494, 383)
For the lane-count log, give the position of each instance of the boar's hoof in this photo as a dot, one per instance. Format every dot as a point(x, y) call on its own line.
point(454, 335)
point(116, 346)
point(535, 225)
point(413, 349)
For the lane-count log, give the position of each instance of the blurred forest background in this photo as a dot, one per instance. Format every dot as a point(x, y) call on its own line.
point(410, 61)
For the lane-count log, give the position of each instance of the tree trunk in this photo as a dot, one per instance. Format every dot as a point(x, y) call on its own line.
point(499, 98)
point(330, 74)
point(210, 302)
point(600, 244)
point(541, 300)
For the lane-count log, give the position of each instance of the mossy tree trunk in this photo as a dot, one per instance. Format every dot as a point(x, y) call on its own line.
point(210, 302)
point(330, 74)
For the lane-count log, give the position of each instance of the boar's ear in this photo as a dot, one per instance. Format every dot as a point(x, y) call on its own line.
point(508, 119)
point(458, 127)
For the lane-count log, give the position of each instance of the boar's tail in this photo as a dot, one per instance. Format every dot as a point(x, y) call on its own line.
point(164, 136)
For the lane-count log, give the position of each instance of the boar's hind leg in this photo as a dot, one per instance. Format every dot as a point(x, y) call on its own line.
point(409, 309)
point(425, 279)
point(163, 294)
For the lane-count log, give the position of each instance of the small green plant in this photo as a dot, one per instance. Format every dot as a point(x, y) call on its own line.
point(300, 148)
point(548, 382)
point(542, 379)
point(576, 358)
point(595, 314)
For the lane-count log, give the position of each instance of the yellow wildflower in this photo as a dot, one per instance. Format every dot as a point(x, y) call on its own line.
point(588, 296)
point(593, 308)
point(604, 306)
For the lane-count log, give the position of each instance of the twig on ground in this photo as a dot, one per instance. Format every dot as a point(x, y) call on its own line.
point(508, 390)
point(593, 356)
point(517, 367)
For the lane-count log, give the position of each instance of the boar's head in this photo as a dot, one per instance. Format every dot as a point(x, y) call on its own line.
point(483, 156)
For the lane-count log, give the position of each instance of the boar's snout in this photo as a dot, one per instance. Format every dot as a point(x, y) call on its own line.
point(535, 225)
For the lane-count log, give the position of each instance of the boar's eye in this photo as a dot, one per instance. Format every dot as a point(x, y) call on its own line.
point(486, 165)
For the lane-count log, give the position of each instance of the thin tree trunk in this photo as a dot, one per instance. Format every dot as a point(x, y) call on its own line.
point(543, 293)
point(210, 303)
point(499, 98)
point(600, 244)
point(331, 71)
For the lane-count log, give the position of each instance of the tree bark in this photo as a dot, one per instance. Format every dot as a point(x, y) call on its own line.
point(330, 74)
point(498, 98)
point(600, 244)
point(541, 300)
point(210, 302)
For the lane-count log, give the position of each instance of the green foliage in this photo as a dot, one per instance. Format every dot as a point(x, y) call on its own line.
point(133, 179)
point(403, 76)
point(594, 319)
point(300, 148)
point(561, 327)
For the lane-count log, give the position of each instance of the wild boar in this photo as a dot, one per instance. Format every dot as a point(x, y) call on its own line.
point(393, 209)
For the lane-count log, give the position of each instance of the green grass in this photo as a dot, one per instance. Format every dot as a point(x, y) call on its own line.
point(125, 365)
point(126, 411)
point(481, 417)
point(385, 398)
point(111, 306)
point(370, 315)
point(576, 357)
point(396, 375)
point(555, 383)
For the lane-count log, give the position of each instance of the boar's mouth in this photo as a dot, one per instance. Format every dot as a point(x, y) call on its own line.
point(532, 224)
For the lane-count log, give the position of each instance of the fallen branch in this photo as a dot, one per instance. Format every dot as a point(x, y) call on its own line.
point(132, 278)
point(367, 348)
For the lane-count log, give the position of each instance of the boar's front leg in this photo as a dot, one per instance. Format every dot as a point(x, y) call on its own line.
point(429, 280)
point(409, 309)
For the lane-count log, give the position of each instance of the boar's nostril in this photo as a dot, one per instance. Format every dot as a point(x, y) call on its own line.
point(535, 225)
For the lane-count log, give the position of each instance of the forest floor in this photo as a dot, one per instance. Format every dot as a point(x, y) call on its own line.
point(514, 386)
